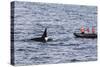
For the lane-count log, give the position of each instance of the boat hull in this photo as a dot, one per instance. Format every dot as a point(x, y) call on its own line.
point(85, 35)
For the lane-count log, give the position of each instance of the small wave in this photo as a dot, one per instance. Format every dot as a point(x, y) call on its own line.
point(74, 60)
point(79, 48)
point(73, 44)
point(21, 50)
point(35, 58)
point(39, 58)
point(83, 48)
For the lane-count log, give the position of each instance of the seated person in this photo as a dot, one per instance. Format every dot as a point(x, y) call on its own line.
point(82, 30)
point(93, 30)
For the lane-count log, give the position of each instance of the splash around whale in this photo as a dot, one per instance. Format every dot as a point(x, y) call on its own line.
point(43, 38)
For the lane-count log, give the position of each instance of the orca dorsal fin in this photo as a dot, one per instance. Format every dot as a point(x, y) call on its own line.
point(45, 33)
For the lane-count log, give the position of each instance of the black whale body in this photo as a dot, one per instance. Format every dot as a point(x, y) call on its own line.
point(42, 38)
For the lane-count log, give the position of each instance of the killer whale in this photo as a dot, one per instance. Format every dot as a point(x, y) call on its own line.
point(43, 38)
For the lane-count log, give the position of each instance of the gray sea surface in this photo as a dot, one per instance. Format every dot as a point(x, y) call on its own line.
point(61, 21)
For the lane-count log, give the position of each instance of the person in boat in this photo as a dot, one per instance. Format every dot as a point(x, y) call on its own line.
point(87, 30)
point(82, 30)
point(93, 30)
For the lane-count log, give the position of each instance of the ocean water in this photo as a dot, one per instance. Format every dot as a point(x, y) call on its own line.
point(61, 21)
